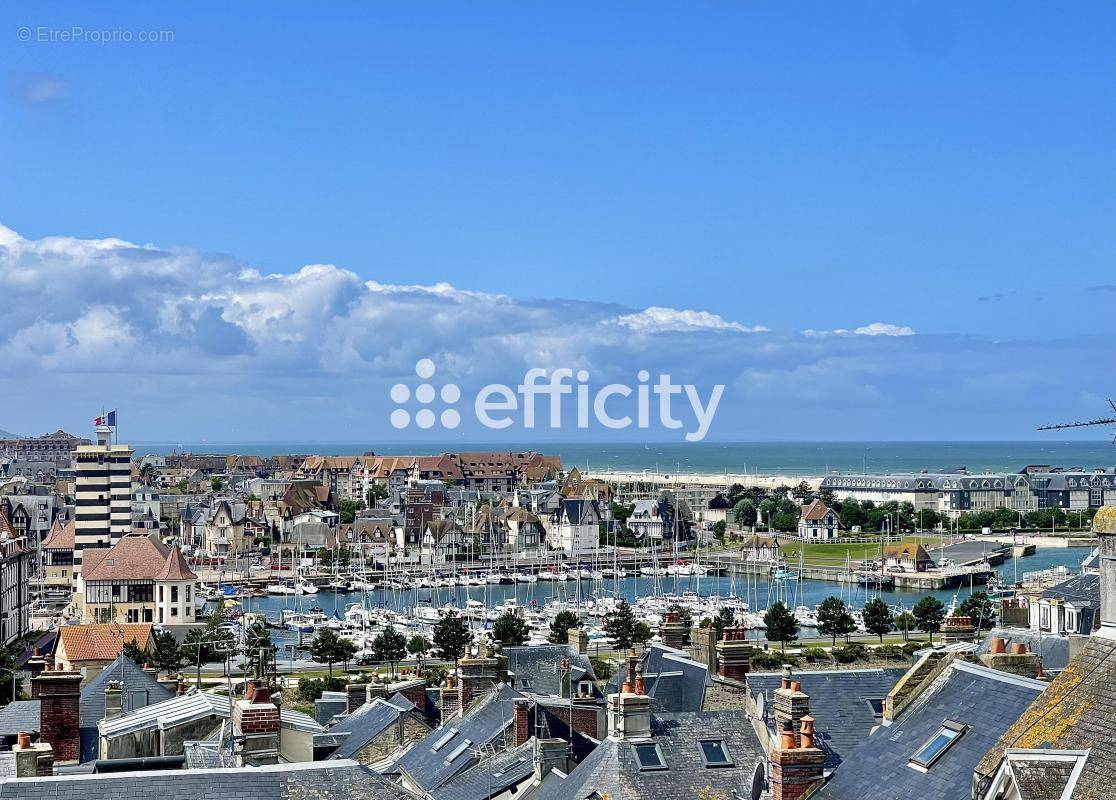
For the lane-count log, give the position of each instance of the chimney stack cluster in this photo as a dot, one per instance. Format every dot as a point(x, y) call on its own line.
point(522, 717)
point(629, 711)
point(32, 760)
point(796, 764)
point(58, 693)
point(1016, 659)
point(734, 654)
point(672, 631)
point(256, 725)
point(790, 704)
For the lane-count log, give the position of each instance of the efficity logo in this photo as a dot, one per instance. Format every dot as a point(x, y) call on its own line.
point(558, 398)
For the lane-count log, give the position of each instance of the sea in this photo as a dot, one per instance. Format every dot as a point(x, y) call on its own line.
point(792, 459)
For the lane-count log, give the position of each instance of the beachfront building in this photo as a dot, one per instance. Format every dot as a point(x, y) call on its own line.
point(138, 579)
point(952, 493)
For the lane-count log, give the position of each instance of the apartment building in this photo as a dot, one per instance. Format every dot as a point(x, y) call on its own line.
point(103, 494)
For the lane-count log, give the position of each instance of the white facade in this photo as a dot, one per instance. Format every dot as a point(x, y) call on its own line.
point(103, 494)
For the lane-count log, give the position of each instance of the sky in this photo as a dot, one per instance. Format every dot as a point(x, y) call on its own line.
point(866, 220)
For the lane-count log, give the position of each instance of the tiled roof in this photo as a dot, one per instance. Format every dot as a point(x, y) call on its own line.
point(193, 706)
point(838, 703)
point(1081, 588)
point(137, 691)
point(612, 770)
point(816, 510)
point(983, 700)
point(1076, 712)
point(1043, 776)
point(333, 780)
point(61, 536)
point(175, 568)
point(103, 641)
point(134, 557)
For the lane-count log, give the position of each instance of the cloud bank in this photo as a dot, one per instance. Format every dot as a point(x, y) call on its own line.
point(190, 345)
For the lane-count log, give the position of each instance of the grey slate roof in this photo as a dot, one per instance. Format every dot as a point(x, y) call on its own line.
point(1052, 648)
point(139, 690)
point(339, 780)
point(1084, 588)
point(1039, 776)
point(838, 703)
point(540, 666)
point(368, 722)
point(613, 770)
point(673, 680)
point(492, 776)
point(485, 723)
point(1077, 712)
point(985, 700)
point(20, 715)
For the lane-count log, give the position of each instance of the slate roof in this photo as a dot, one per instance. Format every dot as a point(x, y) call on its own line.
point(1083, 588)
point(539, 665)
point(1043, 776)
point(20, 715)
point(1076, 712)
point(139, 690)
point(1052, 648)
point(368, 722)
point(428, 763)
point(673, 680)
point(492, 776)
point(838, 703)
point(101, 642)
point(612, 770)
point(984, 699)
point(342, 780)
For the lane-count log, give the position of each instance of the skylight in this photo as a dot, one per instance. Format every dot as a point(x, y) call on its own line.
point(715, 752)
point(455, 752)
point(936, 745)
point(443, 740)
point(649, 756)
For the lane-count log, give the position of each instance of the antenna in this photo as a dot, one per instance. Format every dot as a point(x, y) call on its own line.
point(1085, 423)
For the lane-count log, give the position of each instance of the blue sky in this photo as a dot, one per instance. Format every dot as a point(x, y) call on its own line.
point(941, 168)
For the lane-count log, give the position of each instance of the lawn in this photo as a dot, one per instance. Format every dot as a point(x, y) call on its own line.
point(834, 554)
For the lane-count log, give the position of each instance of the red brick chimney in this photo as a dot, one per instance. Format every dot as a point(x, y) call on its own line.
point(255, 722)
point(795, 769)
point(734, 654)
point(522, 710)
point(789, 703)
point(58, 693)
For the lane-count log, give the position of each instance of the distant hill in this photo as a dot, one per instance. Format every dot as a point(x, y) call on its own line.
point(5, 435)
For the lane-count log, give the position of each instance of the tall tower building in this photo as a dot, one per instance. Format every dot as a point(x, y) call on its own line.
point(103, 494)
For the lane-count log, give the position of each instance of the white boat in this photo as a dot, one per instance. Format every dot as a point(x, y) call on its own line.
point(526, 577)
point(305, 587)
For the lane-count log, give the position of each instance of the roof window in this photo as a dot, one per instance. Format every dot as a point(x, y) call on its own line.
point(443, 740)
point(715, 753)
point(649, 756)
point(936, 746)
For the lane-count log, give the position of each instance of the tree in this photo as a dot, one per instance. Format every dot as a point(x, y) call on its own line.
point(417, 646)
point(451, 637)
point(148, 473)
point(905, 621)
point(390, 646)
point(510, 629)
point(642, 633)
point(834, 619)
point(215, 483)
point(877, 617)
point(725, 618)
point(719, 528)
point(781, 625)
point(929, 613)
point(620, 626)
point(744, 513)
point(621, 512)
point(330, 648)
point(349, 509)
point(165, 653)
point(564, 622)
point(259, 652)
point(7, 673)
point(135, 652)
point(767, 508)
point(376, 493)
point(980, 609)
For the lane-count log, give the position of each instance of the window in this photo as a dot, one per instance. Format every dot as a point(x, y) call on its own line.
point(715, 753)
point(877, 706)
point(649, 756)
point(937, 744)
point(443, 740)
point(458, 750)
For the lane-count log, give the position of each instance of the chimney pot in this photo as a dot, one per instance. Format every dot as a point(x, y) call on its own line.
point(996, 645)
point(786, 737)
point(1018, 648)
point(24, 740)
point(796, 686)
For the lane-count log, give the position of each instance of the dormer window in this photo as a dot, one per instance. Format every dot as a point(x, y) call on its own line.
point(936, 746)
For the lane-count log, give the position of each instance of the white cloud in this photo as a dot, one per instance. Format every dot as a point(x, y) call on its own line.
point(657, 319)
point(871, 329)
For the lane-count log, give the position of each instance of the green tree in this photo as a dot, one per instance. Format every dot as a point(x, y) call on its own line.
point(834, 619)
point(929, 613)
point(7, 674)
point(418, 645)
point(979, 607)
point(719, 528)
point(620, 626)
point(390, 647)
point(329, 648)
point(349, 510)
point(136, 653)
point(725, 618)
point(564, 622)
point(259, 652)
point(165, 653)
point(767, 508)
point(215, 483)
point(905, 621)
point(781, 625)
point(744, 513)
point(621, 512)
point(451, 637)
point(642, 633)
point(376, 493)
point(510, 629)
point(877, 617)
